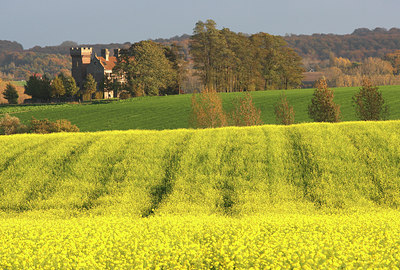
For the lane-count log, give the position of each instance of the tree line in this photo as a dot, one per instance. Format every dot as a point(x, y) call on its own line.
point(60, 88)
point(344, 73)
point(229, 61)
point(361, 44)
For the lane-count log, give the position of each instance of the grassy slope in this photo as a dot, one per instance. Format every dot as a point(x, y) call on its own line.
point(173, 111)
point(230, 170)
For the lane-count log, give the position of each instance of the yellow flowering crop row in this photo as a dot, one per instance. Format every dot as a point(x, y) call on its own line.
point(275, 241)
point(232, 170)
point(214, 198)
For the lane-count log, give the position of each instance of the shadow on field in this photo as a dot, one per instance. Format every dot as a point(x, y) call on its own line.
point(161, 191)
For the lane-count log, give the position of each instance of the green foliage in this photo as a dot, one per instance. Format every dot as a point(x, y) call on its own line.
point(322, 107)
point(11, 94)
point(71, 89)
point(284, 113)
point(57, 86)
point(146, 68)
point(38, 87)
point(227, 61)
point(369, 103)
point(90, 86)
point(175, 56)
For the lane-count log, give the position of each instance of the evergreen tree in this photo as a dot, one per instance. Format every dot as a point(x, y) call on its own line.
point(11, 94)
point(32, 87)
point(71, 89)
point(322, 107)
point(89, 87)
point(369, 103)
point(57, 87)
point(38, 88)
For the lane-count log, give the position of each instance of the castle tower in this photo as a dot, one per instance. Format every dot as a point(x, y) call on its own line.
point(80, 60)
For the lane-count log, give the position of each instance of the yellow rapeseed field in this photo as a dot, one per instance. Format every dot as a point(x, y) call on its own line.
point(308, 196)
point(276, 241)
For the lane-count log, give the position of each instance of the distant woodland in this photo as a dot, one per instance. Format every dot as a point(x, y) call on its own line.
point(343, 59)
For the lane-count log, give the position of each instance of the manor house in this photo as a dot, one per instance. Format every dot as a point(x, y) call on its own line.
point(85, 62)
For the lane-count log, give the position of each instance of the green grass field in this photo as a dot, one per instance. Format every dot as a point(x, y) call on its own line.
point(172, 112)
point(305, 196)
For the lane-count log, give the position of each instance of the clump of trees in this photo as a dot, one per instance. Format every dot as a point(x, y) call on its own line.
point(369, 102)
point(322, 107)
point(344, 73)
point(38, 87)
point(150, 69)
point(12, 125)
point(229, 61)
point(62, 87)
point(208, 112)
point(11, 94)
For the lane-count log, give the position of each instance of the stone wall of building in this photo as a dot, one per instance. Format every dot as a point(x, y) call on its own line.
point(81, 58)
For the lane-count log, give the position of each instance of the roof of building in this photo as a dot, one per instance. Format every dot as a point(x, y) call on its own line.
point(108, 65)
point(312, 76)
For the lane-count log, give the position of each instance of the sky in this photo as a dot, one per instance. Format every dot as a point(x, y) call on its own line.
point(50, 22)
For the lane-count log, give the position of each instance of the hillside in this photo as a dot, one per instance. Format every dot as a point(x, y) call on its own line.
point(362, 43)
point(6, 45)
point(17, 63)
point(213, 171)
point(171, 112)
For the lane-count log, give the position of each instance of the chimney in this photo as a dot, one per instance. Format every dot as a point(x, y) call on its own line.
point(117, 52)
point(105, 53)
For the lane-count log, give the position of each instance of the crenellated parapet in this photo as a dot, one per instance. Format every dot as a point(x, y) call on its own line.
point(81, 51)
